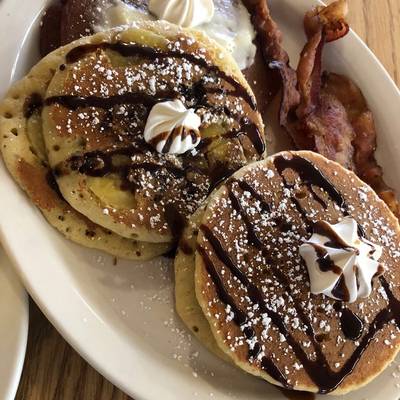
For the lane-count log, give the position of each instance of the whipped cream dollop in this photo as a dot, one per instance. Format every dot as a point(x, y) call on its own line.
point(230, 24)
point(186, 13)
point(341, 264)
point(172, 128)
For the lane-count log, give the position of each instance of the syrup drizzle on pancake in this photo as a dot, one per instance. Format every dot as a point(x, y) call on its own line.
point(310, 176)
point(33, 103)
point(240, 317)
point(318, 370)
point(131, 50)
point(75, 102)
point(71, 102)
point(352, 326)
point(198, 93)
point(216, 96)
point(100, 164)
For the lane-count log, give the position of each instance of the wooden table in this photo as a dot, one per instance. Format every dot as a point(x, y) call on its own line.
point(53, 370)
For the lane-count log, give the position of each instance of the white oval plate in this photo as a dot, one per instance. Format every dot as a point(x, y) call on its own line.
point(14, 318)
point(121, 317)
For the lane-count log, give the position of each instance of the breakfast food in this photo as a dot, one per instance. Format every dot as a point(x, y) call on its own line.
point(102, 137)
point(137, 145)
point(226, 21)
point(25, 156)
point(186, 303)
point(145, 136)
point(272, 227)
point(323, 111)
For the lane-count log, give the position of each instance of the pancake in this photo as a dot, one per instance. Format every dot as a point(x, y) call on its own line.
point(25, 156)
point(96, 108)
point(254, 289)
point(67, 20)
point(187, 306)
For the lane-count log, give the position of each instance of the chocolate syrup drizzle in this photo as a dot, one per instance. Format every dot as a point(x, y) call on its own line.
point(351, 324)
point(318, 370)
point(340, 290)
point(310, 177)
point(246, 127)
point(335, 241)
point(325, 263)
point(240, 317)
point(250, 130)
point(131, 50)
point(100, 163)
point(74, 102)
point(32, 104)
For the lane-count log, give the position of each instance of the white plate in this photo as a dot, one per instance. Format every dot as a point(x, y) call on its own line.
point(121, 318)
point(14, 317)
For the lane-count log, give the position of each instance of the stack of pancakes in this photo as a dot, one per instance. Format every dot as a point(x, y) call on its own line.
point(72, 135)
point(243, 289)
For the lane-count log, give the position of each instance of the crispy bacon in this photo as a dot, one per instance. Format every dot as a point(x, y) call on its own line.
point(323, 112)
point(331, 19)
point(270, 38)
point(321, 122)
point(364, 143)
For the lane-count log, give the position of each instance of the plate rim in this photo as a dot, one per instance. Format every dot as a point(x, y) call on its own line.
point(16, 292)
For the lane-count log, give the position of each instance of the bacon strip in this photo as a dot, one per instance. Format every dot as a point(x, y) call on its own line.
point(331, 19)
point(275, 55)
point(323, 112)
point(364, 143)
point(321, 122)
